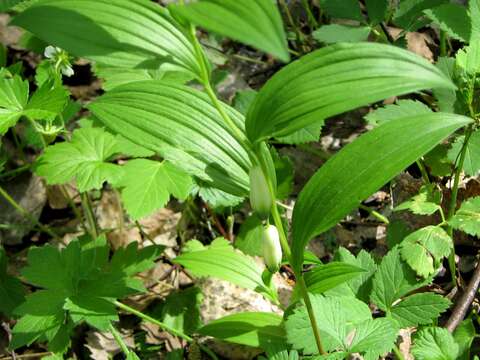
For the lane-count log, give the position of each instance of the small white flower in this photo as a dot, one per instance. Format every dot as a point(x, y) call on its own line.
point(272, 249)
point(51, 52)
point(60, 59)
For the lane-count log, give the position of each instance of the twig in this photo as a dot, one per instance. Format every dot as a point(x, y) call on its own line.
point(27, 356)
point(463, 304)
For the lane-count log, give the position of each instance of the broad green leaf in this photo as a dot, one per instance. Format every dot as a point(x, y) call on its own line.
point(474, 13)
point(471, 165)
point(424, 248)
point(11, 289)
point(249, 238)
point(434, 344)
point(468, 58)
point(345, 9)
point(375, 337)
point(350, 75)
point(216, 198)
point(361, 168)
point(333, 33)
point(243, 100)
point(84, 159)
point(256, 329)
point(446, 98)
point(419, 309)
point(97, 312)
point(325, 277)
point(402, 108)
point(467, 218)
point(393, 280)
point(181, 125)
point(119, 33)
point(453, 19)
point(438, 162)
point(337, 317)
point(377, 10)
point(254, 22)
point(424, 203)
point(409, 14)
point(222, 261)
point(13, 99)
point(464, 335)
point(147, 186)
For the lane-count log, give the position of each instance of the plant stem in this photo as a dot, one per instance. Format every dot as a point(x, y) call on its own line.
point(119, 340)
point(25, 213)
point(311, 19)
point(443, 43)
point(16, 171)
point(397, 353)
point(375, 214)
point(297, 31)
point(423, 171)
point(87, 207)
point(164, 327)
point(453, 201)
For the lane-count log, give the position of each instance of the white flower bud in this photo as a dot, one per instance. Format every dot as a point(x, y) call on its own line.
point(260, 198)
point(272, 249)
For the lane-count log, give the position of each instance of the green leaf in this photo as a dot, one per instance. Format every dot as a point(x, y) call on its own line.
point(375, 337)
point(337, 318)
point(243, 100)
point(453, 19)
point(221, 261)
point(464, 335)
point(402, 109)
point(325, 277)
point(474, 13)
point(181, 125)
point(434, 344)
point(118, 33)
point(84, 159)
point(409, 14)
point(468, 58)
point(249, 238)
point(377, 10)
point(97, 312)
point(346, 9)
point(12, 292)
point(361, 168)
point(424, 248)
point(8, 4)
point(393, 280)
point(256, 329)
point(467, 217)
point(309, 133)
point(333, 33)
point(47, 102)
point(254, 22)
point(419, 309)
point(438, 162)
point(471, 165)
point(13, 99)
point(148, 184)
point(351, 75)
point(424, 203)
point(446, 98)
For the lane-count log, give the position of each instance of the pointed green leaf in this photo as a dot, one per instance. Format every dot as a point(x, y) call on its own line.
point(468, 58)
point(409, 14)
point(13, 99)
point(376, 337)
point(424, 203)
point(325, 277)
point(471, 165)
point(333, 80)
point(254, 22)
point(434, 344)
point(453, 19)
point(467, 218)
point(419, 309)
point(120, 33)
point(402, 108)
point(181, 125)
point(464, 335)
point(361, 168)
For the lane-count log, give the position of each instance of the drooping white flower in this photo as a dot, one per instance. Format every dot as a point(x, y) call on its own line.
point(60, 59)
point(272, 249)
point(260, 197)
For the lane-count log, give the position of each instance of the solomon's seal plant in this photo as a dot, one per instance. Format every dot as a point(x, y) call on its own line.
point(160, 130)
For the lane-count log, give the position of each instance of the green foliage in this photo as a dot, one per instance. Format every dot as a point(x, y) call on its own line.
point(425, 203)
point(325, 277)
point(468, 58)
point(249, 238)
point(453, 19)
point(409, 14)
point(84, 159)
point(467, 217)
point(13, 99)
point(147, 186)
point(347, 9)
point(406, 139)
point(253, 22)
point(434, 344)
point(8, 4)
point(78, 284)
point(419, 309)
point(402, 109)
point(474, 12)
point(333, 33)
point(377, 10)
point(464, 335)
point(11, 289)
point(471, 165)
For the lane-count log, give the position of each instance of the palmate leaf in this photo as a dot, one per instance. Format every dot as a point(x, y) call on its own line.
point(119, 33)
point(147, 185)
point(256, 329)
point(434, 343)
point(351, 75)
point(254, 22)
point(467, 218)
point(83, 159)
point(181, 125)
point(361, 168)
point(453, 19)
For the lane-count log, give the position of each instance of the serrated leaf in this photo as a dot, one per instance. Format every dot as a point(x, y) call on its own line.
point(409, 14)
point(84, 159)
point(467, 217)
point(424, 203)
point(351, 75)
point(377, 10)
point(254, 22)
point(147, 186)
point(464, 335)
point(97, 312)
point(13, 99)
point(12, 292)
point(361, 168)
point(392, 281)
point(375, 337)
point(402, 109)
point(434, 344)
point(225, 263)
point(424, 248)
point(47, 102)
point(337, 318)
point(474, 13)
point(471, 165)
point(453, 19)
point(333, 33)
point(181, 125)
point(308, 134)
point(119, 33)
point(468, 58)
point(346, 9)
point(419, 309)
point(325, 277)
point(446, 98)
